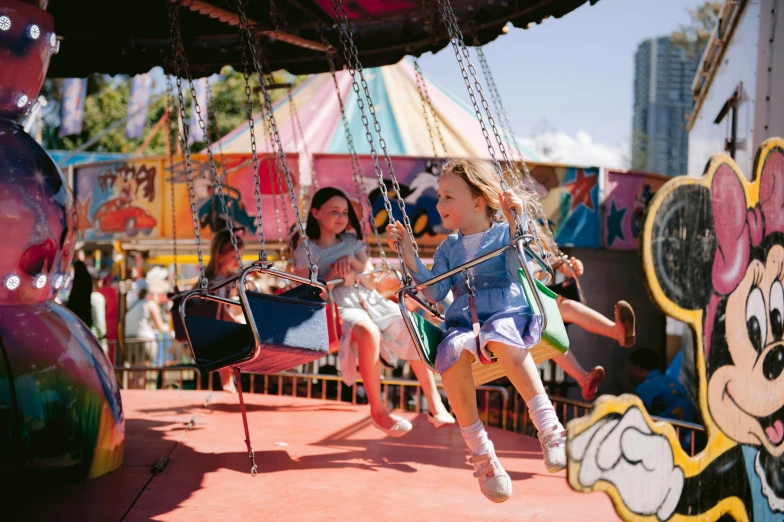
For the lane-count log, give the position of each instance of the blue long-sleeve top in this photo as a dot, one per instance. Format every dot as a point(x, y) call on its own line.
point(490, 301)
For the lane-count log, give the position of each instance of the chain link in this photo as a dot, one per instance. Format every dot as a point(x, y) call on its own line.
point(276, 180)
point(279, 174)
point(254, 156)
point(356, 170)
point(520, 166)
point(424, 97)
point(355, 67)
point(174, 21)
point(179, 58)
point(247, 39)
point(172, 130)
point(461, 52)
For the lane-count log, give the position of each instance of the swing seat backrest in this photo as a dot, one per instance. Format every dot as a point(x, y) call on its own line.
point(215, 343)
point(334, 325)
point(197, 307)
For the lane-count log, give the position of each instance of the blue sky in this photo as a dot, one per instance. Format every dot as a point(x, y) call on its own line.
point(576, 72)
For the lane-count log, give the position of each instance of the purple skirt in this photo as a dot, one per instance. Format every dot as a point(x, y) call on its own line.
point(519, 330)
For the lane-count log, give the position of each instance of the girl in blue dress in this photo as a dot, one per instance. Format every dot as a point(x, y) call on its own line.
point(470, 200)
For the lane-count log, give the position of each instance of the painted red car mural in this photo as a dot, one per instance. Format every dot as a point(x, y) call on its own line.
point(118, 216)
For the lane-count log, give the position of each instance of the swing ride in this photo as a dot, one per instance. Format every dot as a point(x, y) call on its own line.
point(283, 331)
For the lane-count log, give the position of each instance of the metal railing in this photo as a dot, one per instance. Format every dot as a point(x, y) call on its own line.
point(497, 407)
point(691, 435)
point(157, 377)
point(401, 394)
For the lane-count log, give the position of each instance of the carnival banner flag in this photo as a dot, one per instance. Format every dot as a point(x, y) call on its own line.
point(195, 134)
point(137, 106)
point(74, 92)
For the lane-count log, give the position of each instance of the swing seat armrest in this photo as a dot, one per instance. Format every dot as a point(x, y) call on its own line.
point(367, 273)
point(469, 264)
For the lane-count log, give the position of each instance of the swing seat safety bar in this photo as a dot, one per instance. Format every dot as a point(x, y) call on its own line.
point(427, 336)
point(340, 280)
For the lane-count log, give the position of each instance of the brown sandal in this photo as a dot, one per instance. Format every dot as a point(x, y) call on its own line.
point(625, 321)
point(592, 382)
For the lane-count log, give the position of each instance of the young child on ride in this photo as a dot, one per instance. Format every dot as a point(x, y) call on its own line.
point(470, 200)
point(371, 324)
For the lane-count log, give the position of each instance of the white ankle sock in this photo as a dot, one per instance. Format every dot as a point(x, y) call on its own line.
point(542, 412)
point(475, 438)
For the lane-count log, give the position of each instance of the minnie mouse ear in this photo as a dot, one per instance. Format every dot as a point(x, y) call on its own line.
point(683, 244)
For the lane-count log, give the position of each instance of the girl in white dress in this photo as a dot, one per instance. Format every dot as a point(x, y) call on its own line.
point(372, 325)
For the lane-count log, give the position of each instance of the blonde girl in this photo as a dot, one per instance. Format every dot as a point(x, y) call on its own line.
point(471, 201)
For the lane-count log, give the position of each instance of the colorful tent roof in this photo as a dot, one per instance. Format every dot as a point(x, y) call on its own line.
point(394, 93)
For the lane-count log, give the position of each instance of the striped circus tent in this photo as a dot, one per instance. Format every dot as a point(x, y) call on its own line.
point(393, 90)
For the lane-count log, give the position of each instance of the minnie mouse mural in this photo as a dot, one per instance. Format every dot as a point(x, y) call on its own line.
point(713, 251)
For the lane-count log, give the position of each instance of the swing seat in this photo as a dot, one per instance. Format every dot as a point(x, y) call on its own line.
point(281, 332)
point(289, 329)
point(554, 340)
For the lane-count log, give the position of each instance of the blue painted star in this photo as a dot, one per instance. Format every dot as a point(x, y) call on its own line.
point(614, 229)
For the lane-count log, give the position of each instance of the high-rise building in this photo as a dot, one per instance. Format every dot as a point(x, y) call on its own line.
point(662, 99)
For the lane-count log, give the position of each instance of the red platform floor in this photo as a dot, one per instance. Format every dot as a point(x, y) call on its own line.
point(318, 460)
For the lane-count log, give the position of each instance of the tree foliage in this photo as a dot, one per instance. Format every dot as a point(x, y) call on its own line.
point(107, 100)
point(694, 36)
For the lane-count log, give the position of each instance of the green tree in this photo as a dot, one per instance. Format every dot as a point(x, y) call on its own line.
point(694, 36)
point(107, 100)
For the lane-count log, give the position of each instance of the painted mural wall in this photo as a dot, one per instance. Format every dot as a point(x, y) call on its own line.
point(627, 197)
point(713, 253)
point(569, 195)
point(132, 199)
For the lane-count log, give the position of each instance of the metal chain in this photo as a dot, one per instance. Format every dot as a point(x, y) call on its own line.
point(210, 126)
point(183, 135)
point(356, 169)
point(279, 175)
point(254, 157)
point(174, 18)
point(354, 66)
point(351, 55)
point(269, 156)
point(276, 180)
point(424, 97)
point(528, 183)
point(213, 129)
point(247, 38)
point(461, 51)
point(172, 130)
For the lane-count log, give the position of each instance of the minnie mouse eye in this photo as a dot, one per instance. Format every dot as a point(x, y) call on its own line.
point(777, 310)
point(756, 319)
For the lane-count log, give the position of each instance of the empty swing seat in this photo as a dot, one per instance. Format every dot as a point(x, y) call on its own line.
point(290, 329)
point(281, 332)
